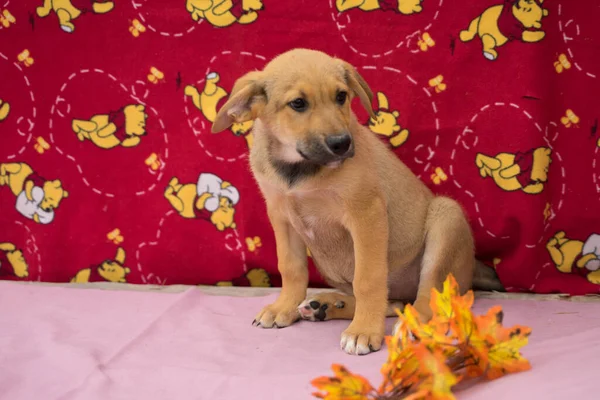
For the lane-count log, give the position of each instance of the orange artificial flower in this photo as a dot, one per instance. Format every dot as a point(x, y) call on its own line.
point(425, 360)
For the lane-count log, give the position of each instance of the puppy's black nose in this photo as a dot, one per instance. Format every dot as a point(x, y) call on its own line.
point(339, 144)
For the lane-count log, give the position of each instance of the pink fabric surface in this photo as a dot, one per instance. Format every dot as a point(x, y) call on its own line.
point(67, 343)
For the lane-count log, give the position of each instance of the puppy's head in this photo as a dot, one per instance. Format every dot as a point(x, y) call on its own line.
point(302, 99)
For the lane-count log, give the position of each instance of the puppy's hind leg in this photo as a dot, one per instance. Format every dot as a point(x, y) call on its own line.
point(485, 278)
point(449, 248)
point(335, 305)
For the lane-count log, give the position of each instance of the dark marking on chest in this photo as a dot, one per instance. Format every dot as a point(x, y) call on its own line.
point(293, 173)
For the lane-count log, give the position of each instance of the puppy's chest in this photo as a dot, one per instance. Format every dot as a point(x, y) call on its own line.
point(317, 220)
point(330, 243)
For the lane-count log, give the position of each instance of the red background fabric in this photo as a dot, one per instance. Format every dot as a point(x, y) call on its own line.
point(512, 104)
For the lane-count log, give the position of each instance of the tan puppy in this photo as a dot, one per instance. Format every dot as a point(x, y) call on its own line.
point(374, 230)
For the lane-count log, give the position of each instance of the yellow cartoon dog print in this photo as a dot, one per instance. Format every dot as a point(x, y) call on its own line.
point(385, 122)
point(108, 271)
point(12, 261)
point(122, 127)
point(4, 110)
point(211, 198)
point(208, 100)
point(37, 198)
point(69, 10)
point(575, 256)
point(405, 7)
point(502, 23)
point(222, 13)
point(521, 171)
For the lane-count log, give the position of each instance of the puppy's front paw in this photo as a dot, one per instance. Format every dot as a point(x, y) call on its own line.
point(358, 341)
point(401, 331)
point(276, 316)
point(423, 308)
point(397, 327)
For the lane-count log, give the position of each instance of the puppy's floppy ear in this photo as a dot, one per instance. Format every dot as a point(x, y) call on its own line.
point(246, 101)
point(360, 88)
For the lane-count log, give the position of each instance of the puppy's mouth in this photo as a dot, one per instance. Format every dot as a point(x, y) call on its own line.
point(316, 152)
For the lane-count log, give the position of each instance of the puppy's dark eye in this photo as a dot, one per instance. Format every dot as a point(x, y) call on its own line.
point(298, 104)
point(340, 98)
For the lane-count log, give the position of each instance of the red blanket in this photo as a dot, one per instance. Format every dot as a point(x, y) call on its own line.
point(108, 170)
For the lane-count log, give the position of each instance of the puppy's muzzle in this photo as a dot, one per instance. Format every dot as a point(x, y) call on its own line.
point(328, 150)
point(339, 145)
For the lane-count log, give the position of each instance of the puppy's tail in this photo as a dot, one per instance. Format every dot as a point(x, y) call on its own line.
point(485, 278)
